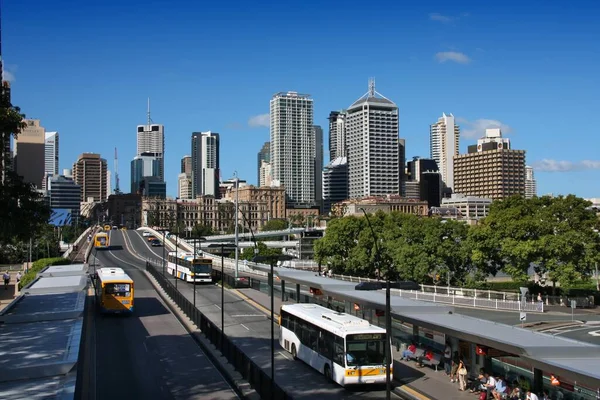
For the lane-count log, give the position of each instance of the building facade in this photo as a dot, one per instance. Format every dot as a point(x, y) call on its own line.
point(151, 140)
point(318, 179)
point(125, 210)
point(263, 156)
point(491, 169)
point(373, 148)
point(337, 134)
point(186, 165)
point(30, 153)
point(530, 183)
point(335, 183)
point(258, 204)
point(386, 204)
point(51, 153)
point(205, 164)
point(64, 193)
point(468, 207)
point(293, 146)
point(444, 138)
point(265, 174)
point(90, 173)
point(143, 166)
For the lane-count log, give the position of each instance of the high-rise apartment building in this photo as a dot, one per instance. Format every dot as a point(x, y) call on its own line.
point(490, 169)
point(337, 134)
point(444, 138)
point(90, 173)
point(205, 164)
point(184, 179)
point(335, 183)
point(318, 133)
point(151, 139)
point(293, 147)
point(263, 155)
point(265, 175)
point(372, 143)
point(530, 183)
point(29, 153)
point(186, 165)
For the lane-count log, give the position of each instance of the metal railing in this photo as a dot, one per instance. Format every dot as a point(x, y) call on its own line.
point(250, 371)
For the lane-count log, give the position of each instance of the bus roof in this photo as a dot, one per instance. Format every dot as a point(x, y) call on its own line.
point(101, 234)
point(112, 274)
point(339, 323)
point(189, 256)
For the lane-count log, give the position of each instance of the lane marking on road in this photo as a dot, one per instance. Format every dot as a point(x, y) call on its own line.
point(594, 333)
point(245, 326)
point(247, 315)
point(216, 305)
point(284, 355)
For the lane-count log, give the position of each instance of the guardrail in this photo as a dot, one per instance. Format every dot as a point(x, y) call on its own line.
point(254, 374)
point(85, 233)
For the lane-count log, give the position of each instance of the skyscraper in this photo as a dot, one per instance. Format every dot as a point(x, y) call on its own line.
point(29, 157)
point(293, 149)
point(143, 166)
point(335, 183)
point(186, 165)
point(205, 164)
point(51, 153)
point(337, 135)
point(151, 139)
point(184, 179)
point(90, 173)
point(530, 183)
point(318, 132)
point(263, 155)
point(372, 143)
point(444, 138)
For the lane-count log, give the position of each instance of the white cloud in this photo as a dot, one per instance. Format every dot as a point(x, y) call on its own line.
point(441, 18)
point(476, 129)
point(8, 76)
point(259, 121)
point(548, 165)
point(453, 56)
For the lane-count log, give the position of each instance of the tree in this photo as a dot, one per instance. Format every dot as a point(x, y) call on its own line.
point(336, 246)
point(200, 230)
point(11, 124)
point(22, 209)
point(275, 225)
point(263, 250)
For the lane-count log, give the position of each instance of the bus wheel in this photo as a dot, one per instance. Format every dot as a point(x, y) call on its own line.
point(294, 352)
point(327, 372)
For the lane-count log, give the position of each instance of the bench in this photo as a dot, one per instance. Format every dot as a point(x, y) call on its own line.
point(418, 354)
point(434, 362)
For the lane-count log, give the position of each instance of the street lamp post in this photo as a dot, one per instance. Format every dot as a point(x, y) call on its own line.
point(388, 313)
point(229, 246)
point(272, 260)
point(195, 239)
point(176, 241)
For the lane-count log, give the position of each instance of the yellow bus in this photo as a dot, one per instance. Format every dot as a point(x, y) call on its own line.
point(101, 240)
point(107, 228)
point(114, 291)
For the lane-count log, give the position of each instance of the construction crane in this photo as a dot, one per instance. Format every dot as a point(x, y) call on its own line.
point(117, 190)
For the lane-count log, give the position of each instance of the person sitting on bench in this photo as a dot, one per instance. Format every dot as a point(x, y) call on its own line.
point(409, 352)
point(427, 356)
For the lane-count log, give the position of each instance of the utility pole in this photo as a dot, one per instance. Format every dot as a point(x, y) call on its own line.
point(237, 198)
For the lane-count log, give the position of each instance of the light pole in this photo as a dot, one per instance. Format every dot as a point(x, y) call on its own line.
point(388, 314)
point(196, 239)
point(237, 210)
point(163, 230)
point(272, 260)
point(230, 246)
point(176, 240)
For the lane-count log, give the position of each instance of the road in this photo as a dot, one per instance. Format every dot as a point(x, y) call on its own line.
point(149, 354)
point(249, 329)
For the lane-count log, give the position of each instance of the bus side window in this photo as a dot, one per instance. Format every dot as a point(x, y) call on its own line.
point(285, 319)
point(326, 344)
point(338, 351)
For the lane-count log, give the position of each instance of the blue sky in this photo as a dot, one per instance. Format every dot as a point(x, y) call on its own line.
point(87, 70)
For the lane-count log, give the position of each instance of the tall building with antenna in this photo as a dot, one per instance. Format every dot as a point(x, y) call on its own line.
point(372, 144)
point(151, 140)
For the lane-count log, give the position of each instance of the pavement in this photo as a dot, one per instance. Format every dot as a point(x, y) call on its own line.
point(149, 354)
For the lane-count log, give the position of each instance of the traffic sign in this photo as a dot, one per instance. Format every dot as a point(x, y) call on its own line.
point(523, 317)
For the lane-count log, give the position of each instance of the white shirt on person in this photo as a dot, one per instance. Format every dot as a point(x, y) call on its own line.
point(491, 383)
point(532, 396)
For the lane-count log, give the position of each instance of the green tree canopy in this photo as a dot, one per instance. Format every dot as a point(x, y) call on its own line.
point(275, 225)
point(263, 250)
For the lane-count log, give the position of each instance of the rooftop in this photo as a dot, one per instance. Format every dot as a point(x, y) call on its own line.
point(371, 98)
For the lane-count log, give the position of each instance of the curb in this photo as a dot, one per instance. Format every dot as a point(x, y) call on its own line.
point(231, 375)
point(409, 393)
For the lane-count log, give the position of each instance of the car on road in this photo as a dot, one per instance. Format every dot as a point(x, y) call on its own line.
point(155, 243)
point(145, 234)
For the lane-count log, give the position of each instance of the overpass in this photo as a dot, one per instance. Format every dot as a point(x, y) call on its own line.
point(283, 244)
point(285, 232)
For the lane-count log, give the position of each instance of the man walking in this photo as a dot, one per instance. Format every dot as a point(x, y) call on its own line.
point(6, 277)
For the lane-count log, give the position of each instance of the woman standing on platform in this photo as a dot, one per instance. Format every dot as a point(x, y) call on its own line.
point(462, 376)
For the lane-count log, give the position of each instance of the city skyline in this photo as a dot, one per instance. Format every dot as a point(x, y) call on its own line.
point(491, 77)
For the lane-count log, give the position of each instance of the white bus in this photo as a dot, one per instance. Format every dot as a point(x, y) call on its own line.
point(188, 268)
point(344, 348)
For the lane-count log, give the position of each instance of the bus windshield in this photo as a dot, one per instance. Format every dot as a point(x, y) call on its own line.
point(102, 240)
point(202, 269)
point(118, 289)
point(365, 349)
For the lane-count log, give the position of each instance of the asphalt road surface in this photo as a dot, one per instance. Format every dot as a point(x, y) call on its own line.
point(250, 330)
point(149, 355)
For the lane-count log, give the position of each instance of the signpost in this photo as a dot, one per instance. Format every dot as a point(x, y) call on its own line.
point(573, 307)
point(523, 314)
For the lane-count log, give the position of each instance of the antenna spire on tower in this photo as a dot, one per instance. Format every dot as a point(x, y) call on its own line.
point(371, 87)
point(149, 119)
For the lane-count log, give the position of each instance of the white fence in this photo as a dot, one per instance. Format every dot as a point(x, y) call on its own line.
point(486, 299)
point(79, 239)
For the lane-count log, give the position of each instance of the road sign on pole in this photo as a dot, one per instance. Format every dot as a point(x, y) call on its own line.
point(522, 318)
point(573, 307)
